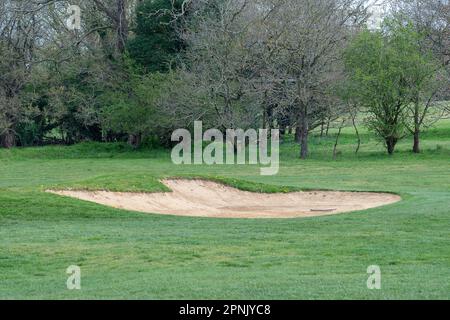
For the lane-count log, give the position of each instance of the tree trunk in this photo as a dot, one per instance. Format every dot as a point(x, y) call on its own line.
point(357, 134)
point(298, 131)
point(337, 140)
point(390, 144)
point(304, 152)
point(416, 147)
point(303, 136)
point(134, 140)
point(8, 139)
point(118, 18)
point(122, 25)
point(264, 118)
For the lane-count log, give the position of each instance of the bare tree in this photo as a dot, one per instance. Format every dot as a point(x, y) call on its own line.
point(218, 54)
point(431, 18)
point(304, 40)
point(116, 12)
point(270, 60)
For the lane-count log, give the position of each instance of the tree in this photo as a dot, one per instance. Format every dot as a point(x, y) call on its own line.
point(156, 42)
point(303, 41)
point(116, 13)
point(133, 108)
point(269, 61)
point(18, 35)
point(377, 64)
point(428, 32)
point(218, 58)
point(431, 18)
point(347, 90)
point(421, 75)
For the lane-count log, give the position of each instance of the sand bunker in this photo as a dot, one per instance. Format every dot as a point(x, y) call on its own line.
point(199, 198)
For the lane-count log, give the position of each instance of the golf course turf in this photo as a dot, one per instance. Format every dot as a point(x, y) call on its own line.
point(145, 256)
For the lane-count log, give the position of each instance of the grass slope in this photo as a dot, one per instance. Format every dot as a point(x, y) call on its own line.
point(133, 255)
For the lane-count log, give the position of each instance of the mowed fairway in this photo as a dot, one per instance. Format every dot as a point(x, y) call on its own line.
point(134, 255)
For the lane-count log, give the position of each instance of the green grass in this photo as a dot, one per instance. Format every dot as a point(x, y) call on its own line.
point(133, 255)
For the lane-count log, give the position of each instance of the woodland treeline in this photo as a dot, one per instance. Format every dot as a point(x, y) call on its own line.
point(136, 70)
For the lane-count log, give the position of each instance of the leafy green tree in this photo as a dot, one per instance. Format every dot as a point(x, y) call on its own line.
point(423, 74)
point(385, 67)
point(132, 108)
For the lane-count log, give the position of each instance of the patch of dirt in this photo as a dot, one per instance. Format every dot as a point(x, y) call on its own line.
point(199, 198)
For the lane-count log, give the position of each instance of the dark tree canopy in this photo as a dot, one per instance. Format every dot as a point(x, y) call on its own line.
point(156, 43)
